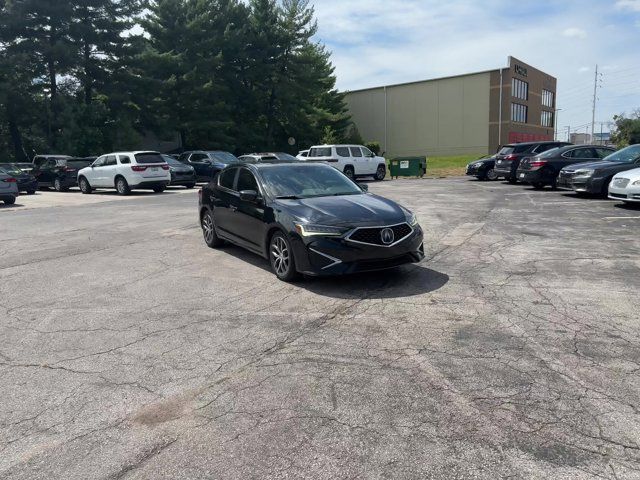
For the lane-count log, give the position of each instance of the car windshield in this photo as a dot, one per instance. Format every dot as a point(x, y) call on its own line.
point(172, 161)
point(306, 181)
point(506, 151)
point(224, 157)
point(11, 169)
point(550, 153)
point(626, 155)
point(149, 157)
point(286, 156)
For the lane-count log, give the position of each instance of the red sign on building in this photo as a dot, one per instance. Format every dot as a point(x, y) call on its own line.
point(515, 137)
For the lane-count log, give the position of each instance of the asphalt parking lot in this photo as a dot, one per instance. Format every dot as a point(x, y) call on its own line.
point(132, 351)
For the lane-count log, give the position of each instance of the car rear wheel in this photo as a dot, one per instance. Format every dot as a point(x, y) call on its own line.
point(281, 258)
point(380, 173)
point(31, 192)
point(491, 175)
point(122, 186)
point(538, 185)
point(350, 172)
point(190, 185)
point(209, 231)
point(159, 189)
point(10, 201)
point(85, 187)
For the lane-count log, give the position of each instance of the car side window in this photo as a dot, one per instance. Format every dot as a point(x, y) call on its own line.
point(50, 163)
point(355, 152)
point(198, 158)
point(342, 151)
point(366, 152)
point(99, 162)
point(544, 148)
point(183, 157)
point(246, 181)
point(603, 152)
point(124, 159)
point(579, 153)
point(110, 160)
point(227, 178)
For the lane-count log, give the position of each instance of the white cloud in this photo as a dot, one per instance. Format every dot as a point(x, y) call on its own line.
point(574, 32)
point(633, 5)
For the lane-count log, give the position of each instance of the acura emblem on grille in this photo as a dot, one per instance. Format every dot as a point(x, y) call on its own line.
point(387, 236)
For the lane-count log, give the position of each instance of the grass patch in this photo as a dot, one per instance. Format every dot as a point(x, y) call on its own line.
point(449, 166)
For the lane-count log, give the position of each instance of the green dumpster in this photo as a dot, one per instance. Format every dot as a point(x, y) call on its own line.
point(408, 167)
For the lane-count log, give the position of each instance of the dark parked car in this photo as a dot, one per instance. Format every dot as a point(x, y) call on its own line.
point(181, 174)
point(39, 160)
point(544, 169)
point(482, 168)
point(594, 177)
point(60, 173)
point(508, 157)
point(208, 164)
point(309, 219)
point(8, 188)
point(26, 182)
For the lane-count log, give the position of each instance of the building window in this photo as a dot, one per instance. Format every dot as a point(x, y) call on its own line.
point(547, 98)
point(519, 89)
point(546, 119)
point(519, 113)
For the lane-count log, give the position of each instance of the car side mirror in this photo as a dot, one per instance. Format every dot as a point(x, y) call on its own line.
point(249, 196)
point(364, 187)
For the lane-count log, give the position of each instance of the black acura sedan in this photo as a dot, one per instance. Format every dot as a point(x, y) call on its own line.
point(307, 219)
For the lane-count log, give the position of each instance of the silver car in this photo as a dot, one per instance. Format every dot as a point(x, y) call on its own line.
point(8, 188)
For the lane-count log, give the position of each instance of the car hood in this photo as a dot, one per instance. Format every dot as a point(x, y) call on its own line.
point(632, 175)
point(345, 210)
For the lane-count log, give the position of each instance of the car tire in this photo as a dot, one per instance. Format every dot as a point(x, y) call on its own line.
point(122, 187)
point(512, 180)
point(85, 186)
point(31, 192)
point(605, 187)
point(281, 258)
point(190, 185)
point(538, 185)
point(381, 172)
point(491, 175)
point(350, 172)
point(57, 186)
point(159, 189)
point(209, 231)
point(10, 201)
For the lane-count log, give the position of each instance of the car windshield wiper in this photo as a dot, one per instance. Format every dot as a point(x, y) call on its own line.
point(288, 197)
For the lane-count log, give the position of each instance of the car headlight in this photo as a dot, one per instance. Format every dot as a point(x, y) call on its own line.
point(310, 230)
point(637, 182)
point(411, 218)
point(583, 173)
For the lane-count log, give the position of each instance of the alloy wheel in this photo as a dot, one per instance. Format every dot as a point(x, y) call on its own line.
point(281, 256)
point(207, 228)
point(57, 185)
point(380, 174)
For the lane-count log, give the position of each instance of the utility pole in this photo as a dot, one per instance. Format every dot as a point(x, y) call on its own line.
point(595, 99)
point(568, 133)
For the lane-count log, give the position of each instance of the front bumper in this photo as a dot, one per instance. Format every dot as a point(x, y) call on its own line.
point(183, 179)
point(473, 170)
point(581, 184)
point(323, 256)
point(627, 194)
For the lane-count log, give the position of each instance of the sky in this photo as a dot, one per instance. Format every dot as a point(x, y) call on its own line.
point(382, 42)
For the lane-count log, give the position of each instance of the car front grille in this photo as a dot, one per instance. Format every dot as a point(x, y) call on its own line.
point(374, 235)
point(372, 265)
point(618, 195)
point(621, 182)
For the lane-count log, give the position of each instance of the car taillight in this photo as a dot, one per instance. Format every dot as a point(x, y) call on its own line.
point(538, 163)
point(138, 168)
point(69, 169)
point(510, 157)
point(165, 167)
point(10, 180)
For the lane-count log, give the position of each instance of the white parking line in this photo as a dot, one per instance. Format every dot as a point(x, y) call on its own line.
point(621, 218)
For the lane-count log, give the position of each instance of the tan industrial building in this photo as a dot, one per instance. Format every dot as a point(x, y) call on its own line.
point(465, 114)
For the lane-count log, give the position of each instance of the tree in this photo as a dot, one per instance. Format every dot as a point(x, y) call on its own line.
point(627, 129)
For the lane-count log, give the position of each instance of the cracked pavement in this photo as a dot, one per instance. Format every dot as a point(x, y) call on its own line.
point(132, 351)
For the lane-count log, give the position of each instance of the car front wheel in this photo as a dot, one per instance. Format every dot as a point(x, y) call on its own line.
point(85, 187)
point(491, 175)
point(281, 258)
point(122, 186)
point(380, 173)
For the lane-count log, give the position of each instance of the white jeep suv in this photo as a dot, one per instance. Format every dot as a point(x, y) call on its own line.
point(126, 171)
point(353, 160)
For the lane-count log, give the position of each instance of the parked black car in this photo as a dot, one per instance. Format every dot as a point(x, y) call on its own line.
point(508, 157)
point(25, 181)
point(208, 164)
point(482, 168)
point(60, 173)
point(181, 174)
point(307, 218)
point(594, 177)
point(40, 160)
point(544, 169)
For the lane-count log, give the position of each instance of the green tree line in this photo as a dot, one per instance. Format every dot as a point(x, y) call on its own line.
point(91, 76)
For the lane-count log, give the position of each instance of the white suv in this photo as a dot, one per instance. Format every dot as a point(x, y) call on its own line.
point(353, 160)
point(126, 171)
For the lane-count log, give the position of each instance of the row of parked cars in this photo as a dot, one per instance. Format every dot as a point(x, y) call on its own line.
point(126, 171)
point(585, 169)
